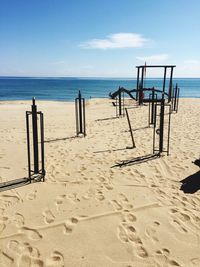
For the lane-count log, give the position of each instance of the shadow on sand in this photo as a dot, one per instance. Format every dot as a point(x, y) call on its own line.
point(137, 160)
point(106, 119)
point(16, 183)
point(191, 184)
point(113, 150)
point(197, 162)
point(60, 139)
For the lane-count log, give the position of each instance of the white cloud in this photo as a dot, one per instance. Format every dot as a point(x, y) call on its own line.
point(154, 58)
point(117, 40)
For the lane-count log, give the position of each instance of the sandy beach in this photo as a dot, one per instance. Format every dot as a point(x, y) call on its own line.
point(92, 210)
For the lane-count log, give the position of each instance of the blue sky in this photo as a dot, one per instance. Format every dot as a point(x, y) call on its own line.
point(98, 38)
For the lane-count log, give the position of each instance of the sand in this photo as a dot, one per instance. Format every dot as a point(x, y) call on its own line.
point(90, 211)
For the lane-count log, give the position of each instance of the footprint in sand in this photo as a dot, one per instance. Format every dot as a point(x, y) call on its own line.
point(99, 195)
point(74, 220)
point(122, 234)
point(59, 201)
point(141, 252)
point(67, 229)
point(32, 234)
point(27, 261)
point(14, 246)
point(131, 217)
point(56, 260)
point(127, 233)
point(184, 217)
point(125, 202)
point(116, 205)
point(27, 249)
point(19, 220)
point(179, 227)
point(9, 200)
point(108, 186)
point(69, 225)
point(152, 231)
point(195, 262)
point(31, 195)
point(48, 216)
point(163, 258)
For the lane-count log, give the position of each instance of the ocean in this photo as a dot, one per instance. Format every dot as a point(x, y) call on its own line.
point(66, 89)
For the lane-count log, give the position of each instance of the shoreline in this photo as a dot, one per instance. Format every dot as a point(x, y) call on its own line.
point(87, 99)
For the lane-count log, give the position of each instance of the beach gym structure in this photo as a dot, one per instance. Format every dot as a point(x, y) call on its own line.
point(35, 150)
point(80, 115)
point(159, 101)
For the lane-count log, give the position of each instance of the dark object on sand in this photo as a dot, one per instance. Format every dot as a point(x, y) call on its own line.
point(80, 115)
point(38, 172)
point(197, 162)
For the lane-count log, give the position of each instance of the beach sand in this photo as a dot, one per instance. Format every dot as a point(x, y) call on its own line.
point(91, 211)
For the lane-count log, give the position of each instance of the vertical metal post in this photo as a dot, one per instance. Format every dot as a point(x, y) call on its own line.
point(142, 78)
point(154, 128)
point(170, 85)
point(138, 82)
point(116, 106)
point(76, 113)
point(80, 115)
point(164, 81)
point(162, 114)
point(149, 110)
point(169, 128)
point(175, 98)
point(80, 112)
point(130, 128)
point(35, 137)
point(120, 102)
point(42, 143)
point(123, 104)
point(152, 106)
point(28, 144)
point(84, 117)
point(141, 86)
point(172, 99)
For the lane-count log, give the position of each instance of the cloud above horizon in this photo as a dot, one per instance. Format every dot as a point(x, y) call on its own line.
point(154, 58)
point(117, 40)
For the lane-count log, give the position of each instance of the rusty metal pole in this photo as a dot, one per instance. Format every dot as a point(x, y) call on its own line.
point(130, 128)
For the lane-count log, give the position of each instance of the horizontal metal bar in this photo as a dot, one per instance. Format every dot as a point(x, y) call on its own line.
point(156, 66)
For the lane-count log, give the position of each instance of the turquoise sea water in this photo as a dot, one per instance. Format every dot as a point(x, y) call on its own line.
point(66, 89)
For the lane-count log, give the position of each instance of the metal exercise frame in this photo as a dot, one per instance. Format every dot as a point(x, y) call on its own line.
point(160, 131)
point(119, 103)
point(38, 171)
point(80, 115)
point(140, 80)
